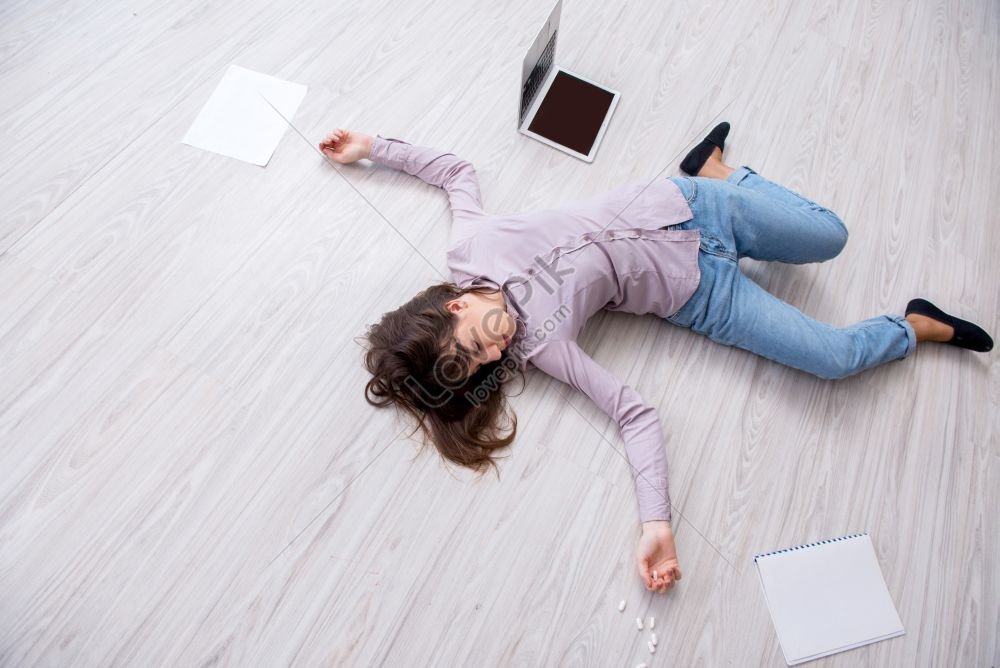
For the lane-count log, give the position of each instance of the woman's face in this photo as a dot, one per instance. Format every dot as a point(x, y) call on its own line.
point(483, 325)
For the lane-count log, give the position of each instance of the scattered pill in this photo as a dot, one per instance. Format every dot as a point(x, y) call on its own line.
point(621, 606)
point(638, 622)
point(641, 665)
point(651, 620)
point(652, 647)
point(652, 639)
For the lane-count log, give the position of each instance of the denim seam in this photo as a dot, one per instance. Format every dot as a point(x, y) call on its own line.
point(724, 254)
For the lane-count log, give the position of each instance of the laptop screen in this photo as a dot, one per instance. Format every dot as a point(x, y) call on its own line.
point(572, 113)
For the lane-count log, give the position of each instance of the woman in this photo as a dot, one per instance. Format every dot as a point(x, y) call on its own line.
point(525, 284)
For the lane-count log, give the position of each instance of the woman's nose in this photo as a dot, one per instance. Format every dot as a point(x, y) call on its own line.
point(494, 352)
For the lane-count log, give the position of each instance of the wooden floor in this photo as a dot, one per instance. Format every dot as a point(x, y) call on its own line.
point(189, 474)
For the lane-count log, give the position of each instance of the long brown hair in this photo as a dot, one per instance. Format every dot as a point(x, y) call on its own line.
point(419, 366)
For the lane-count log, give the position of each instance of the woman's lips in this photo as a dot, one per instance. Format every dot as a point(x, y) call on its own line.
point(506, 341)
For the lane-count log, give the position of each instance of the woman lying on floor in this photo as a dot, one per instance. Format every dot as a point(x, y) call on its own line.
point(525, 284)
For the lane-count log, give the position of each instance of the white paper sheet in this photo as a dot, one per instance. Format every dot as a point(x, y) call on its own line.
point(827, 597)
point(238, 122)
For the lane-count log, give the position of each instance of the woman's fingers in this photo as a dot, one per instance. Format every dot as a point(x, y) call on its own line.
point(651, 582)
point(664, 583)
point(644, 571)
point(334, 136)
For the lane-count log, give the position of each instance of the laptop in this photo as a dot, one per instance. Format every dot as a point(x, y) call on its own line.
point(560, 108)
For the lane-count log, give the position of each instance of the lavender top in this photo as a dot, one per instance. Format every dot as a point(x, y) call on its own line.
point(559, 266)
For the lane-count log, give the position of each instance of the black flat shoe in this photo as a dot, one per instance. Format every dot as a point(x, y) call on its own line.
point(695, 159)
point(967, 335)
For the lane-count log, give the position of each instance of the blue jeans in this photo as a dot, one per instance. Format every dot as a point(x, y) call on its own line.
point(749, 216)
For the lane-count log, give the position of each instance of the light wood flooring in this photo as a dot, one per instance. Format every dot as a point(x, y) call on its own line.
point(189, 474)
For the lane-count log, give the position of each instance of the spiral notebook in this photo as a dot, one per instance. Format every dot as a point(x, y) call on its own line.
point(827, 597)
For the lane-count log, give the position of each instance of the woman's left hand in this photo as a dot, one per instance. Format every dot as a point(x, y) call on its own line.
point(656, 552)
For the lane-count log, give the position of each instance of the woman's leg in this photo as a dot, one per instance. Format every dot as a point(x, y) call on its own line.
point(787, 227)
point(768, 221)
point(772, 223)
point(731, 309)
point(764, 221)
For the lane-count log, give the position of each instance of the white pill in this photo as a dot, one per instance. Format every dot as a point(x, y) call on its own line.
point(654, 575)
point(652, 648)
point(651, 620)
point(638, 622)
point(641, 665)
point(621, 606)
point(653, 639)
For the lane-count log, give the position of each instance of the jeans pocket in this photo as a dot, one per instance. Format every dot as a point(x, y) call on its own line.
point(713, 246)
point(687, 186)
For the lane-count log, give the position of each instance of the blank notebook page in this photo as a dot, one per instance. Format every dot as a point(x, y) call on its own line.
point(827, 597)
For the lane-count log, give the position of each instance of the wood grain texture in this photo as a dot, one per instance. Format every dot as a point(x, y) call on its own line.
point(189, 474)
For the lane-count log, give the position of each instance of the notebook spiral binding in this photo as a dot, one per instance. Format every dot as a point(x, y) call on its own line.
point(802, 547)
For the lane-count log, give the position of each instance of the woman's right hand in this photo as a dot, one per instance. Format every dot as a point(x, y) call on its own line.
point(656, 552)
point(346, 147)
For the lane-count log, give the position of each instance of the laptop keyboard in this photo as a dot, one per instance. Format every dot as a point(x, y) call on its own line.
point(537, 75)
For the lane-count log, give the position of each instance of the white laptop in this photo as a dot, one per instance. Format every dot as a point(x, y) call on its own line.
point(558, 107)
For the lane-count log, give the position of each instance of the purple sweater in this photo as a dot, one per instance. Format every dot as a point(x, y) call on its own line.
point(559, 266)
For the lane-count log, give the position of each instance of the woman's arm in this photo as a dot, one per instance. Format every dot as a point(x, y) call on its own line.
point(438, 168)
point(639, 422)
point(644, 449)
